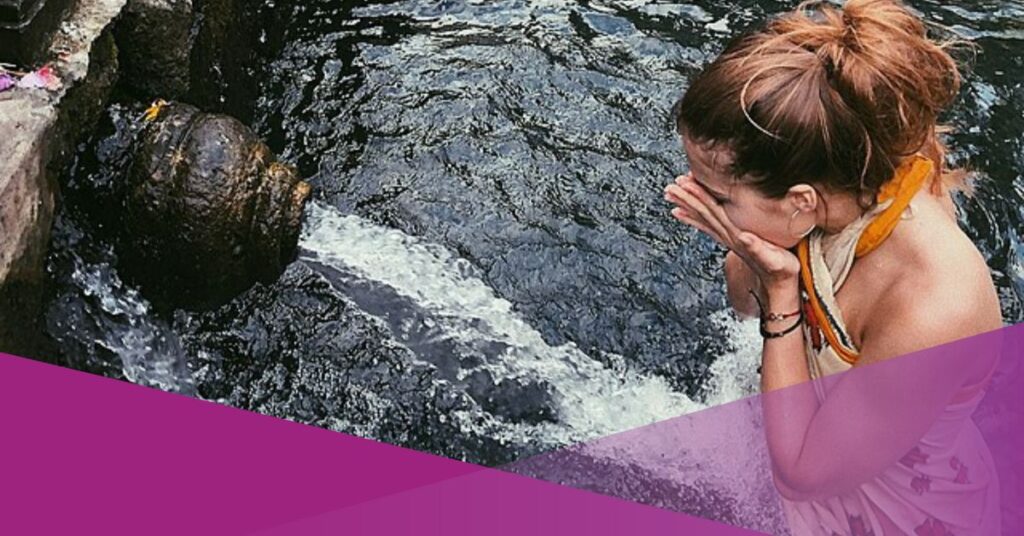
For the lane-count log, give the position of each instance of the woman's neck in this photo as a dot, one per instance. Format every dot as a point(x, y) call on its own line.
point(842, 210)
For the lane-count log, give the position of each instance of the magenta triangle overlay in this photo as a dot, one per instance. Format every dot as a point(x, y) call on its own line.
point(83, 454)
point(72, 437)
point(499, 503)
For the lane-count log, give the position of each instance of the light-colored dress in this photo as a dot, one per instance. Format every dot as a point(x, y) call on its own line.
point(946, 485)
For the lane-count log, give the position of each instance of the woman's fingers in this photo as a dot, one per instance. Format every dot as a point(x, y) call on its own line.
point(689, 218)
point(673, 198)
point(679, 215)
point(688, 183)
point(700, 208)
point(715, 209)
point(685, 178)
point(683, 206)
point(770, 259)
point(673, 195)
point(697, 208)
point(686, 216)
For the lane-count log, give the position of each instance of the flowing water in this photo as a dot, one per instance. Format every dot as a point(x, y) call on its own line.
point(487, 269)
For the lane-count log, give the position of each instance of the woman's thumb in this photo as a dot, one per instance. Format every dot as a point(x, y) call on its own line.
point(757, 249)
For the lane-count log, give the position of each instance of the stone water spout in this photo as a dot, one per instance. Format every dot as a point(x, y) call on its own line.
point(209, 210)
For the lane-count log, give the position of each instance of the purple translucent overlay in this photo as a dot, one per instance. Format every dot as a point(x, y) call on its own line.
point(85, 454)
point(906, 462)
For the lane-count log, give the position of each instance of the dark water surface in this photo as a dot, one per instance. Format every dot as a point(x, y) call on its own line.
point(488, 269)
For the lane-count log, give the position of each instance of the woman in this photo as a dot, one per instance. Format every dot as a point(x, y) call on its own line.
point(815, 159)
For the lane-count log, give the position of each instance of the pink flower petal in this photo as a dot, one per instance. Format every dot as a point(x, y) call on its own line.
point(7, 82)
point(43, 78)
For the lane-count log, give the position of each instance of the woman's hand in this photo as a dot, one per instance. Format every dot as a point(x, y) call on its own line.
point(774, 266)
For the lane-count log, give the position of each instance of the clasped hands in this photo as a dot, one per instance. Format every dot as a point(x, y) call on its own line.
point(775, 266)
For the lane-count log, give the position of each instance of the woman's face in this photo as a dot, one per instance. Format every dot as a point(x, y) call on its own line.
point(746, 207)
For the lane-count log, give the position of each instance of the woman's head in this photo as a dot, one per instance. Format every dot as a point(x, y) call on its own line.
point(820, 102)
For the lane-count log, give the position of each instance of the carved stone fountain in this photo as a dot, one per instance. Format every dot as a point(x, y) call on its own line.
point(209, 210)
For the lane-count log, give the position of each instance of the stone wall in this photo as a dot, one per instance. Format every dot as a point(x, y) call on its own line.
point(38, 129)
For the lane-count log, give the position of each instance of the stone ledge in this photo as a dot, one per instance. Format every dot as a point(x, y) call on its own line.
point(37, 130)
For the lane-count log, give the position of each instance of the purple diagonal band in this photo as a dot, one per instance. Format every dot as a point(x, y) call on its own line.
point(82, 454)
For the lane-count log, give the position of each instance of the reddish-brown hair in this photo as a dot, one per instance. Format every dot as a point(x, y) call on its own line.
point(821, 94)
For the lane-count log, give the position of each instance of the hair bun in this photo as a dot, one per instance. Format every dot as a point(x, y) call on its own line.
point(849, 37)
point(834, 94)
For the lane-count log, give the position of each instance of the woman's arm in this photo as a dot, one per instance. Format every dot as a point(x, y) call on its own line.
point(872, 416)
point(739, 278)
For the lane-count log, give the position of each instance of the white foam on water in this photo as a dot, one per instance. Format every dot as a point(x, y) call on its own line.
point(149, 351)
point(734, 374)
point(723, 453)
point(593, 399)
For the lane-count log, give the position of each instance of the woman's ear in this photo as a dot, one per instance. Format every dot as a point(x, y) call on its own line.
point(803, 197)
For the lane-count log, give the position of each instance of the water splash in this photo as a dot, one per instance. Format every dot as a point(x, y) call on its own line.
point(106, 326)
point(591, 399)
point(734, 374)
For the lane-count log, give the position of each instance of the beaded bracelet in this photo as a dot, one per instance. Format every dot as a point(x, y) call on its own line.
point(774, 334)
point(771, 316)
point(782, 316)
point(776, 316)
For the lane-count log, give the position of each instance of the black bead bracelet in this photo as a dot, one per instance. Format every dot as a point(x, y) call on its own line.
point(774, 334)
point(775, 316)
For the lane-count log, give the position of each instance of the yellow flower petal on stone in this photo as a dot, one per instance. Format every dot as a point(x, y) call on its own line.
point(154, 110)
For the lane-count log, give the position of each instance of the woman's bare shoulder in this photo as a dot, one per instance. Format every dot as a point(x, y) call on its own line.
point(945, 274)
point(939, 265)
point(942, 290)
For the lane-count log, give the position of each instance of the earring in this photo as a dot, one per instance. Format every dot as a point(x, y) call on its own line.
point(801, 235)
point(908, 213)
